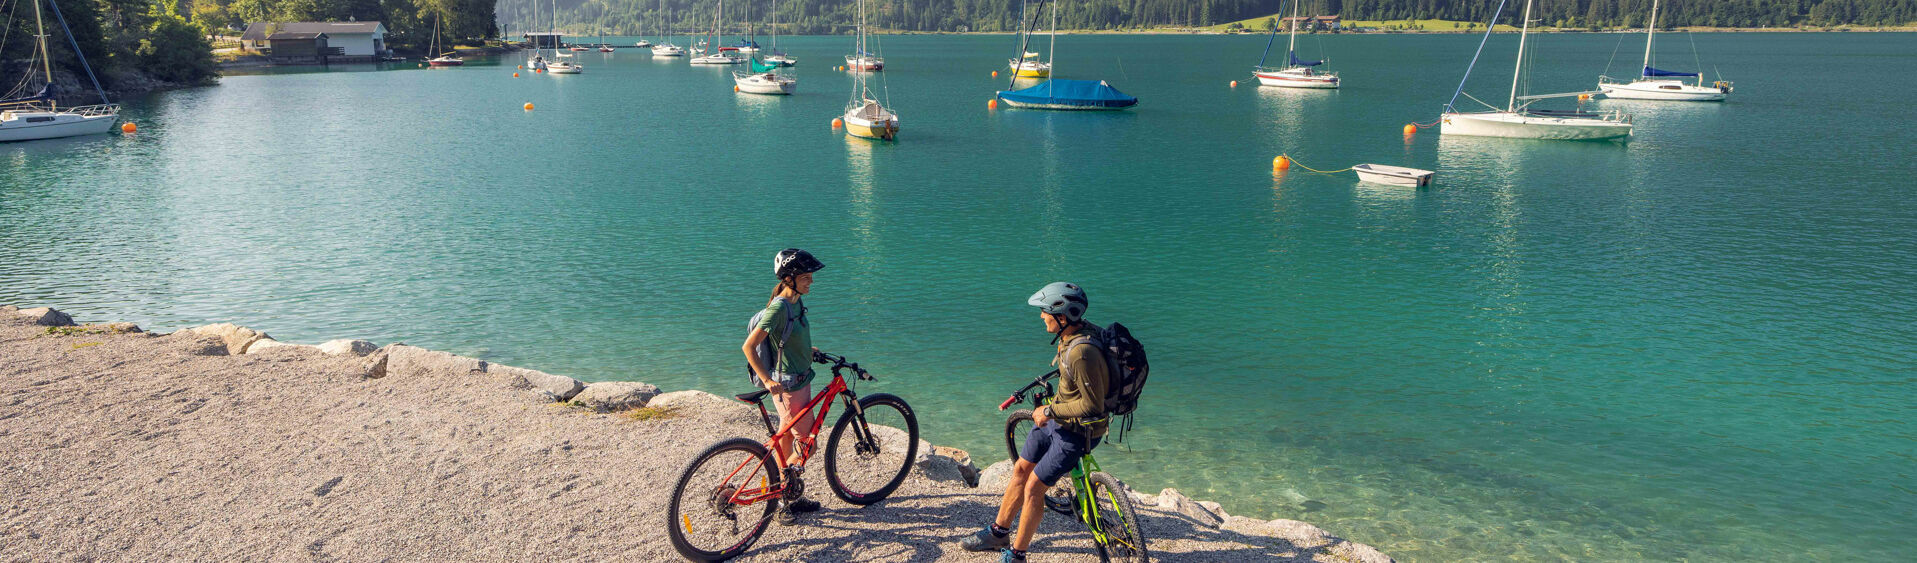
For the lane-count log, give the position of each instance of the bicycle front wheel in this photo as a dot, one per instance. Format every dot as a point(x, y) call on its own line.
point(703, 520)
point(1114, 521)
point(1018, 426)
point(871, 449)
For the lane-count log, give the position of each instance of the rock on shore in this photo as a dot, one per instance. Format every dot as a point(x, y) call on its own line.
point(223, 443)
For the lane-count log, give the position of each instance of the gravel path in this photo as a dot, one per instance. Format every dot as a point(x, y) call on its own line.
point(133, 446)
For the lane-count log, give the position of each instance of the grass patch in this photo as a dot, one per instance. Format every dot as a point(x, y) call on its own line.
point(84, 345)
point(652, 413)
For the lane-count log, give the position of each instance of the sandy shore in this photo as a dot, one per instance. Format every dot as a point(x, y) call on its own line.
point(117, 444)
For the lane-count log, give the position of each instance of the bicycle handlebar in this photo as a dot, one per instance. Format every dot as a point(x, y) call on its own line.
point(838, 363)
point(1008, 402)
point(1019, 395)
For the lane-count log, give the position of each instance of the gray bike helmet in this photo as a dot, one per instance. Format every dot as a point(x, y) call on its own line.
point(792, 261)
point(1061, 298)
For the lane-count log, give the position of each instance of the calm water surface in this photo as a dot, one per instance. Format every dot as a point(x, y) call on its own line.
point(1697, 345)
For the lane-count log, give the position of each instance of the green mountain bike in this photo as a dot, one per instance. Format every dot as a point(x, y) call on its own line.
point(1095, 498)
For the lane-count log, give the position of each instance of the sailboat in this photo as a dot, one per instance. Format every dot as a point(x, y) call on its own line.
point(1659, 84)
point(724, 55)
point(1093, 95)
point(862, 59)
point(864, 115)
point(667, 49)
point(764, 79)
point(1518, 121)
point(537, 61)
point(1027, 65)
point(444, 59)
point(777, 56)
point(1295, 73)
point(748, 44)
point(562, 66)
point(39, 116)
point(604, 47)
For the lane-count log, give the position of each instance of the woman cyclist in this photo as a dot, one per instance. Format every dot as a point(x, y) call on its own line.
point(785, 328)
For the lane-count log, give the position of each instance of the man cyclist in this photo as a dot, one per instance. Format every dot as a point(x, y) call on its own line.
point(1062, 432)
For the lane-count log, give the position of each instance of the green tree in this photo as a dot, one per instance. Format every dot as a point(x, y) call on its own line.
point(174, 49)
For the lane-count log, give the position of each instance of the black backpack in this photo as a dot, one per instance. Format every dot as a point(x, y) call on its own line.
point(1125, 361)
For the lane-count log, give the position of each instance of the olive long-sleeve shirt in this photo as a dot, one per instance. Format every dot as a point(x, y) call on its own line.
point(1083, 378)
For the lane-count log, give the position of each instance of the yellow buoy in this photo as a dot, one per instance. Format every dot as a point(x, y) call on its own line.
point(1281, 162)
point(1410, 128)
point(1234, 84)
point(528, 106)
point(128, 127)
point(837, 123)
point(992, 104)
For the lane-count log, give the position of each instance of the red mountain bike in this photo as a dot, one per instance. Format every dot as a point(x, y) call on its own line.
point(712, 515)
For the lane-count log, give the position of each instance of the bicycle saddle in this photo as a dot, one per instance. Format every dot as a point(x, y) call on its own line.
point(753, 397)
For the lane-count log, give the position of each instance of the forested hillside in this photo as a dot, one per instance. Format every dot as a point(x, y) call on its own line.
point(830, 16)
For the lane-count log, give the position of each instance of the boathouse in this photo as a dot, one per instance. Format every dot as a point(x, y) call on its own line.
point(543, 40)
point(299, 48)
point(1313, 23)
point(345, 41)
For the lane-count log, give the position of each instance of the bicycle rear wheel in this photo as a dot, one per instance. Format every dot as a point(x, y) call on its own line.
point(1116, 521)
point(871, 449)
point(702, 520)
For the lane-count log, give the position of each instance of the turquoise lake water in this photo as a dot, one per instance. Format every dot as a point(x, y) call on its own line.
point(1697, 345)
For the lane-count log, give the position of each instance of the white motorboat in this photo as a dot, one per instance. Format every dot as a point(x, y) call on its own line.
point(565, 67)
point(537, 62)
point(1658, 84)
point(1296, 73)
point(642, 44)
point(766, 82)
point(1393, 175)
point(40, 116)
point(667, 49)
point(1519, 121)
point(781, 59)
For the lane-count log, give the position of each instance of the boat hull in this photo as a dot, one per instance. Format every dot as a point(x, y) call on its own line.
point(445, 63)
point(885, 129)
point(1283, 80)
point(716, 60)
point(1524, 126)
point(17, 127)
point(1666, 90)
point(665, 52)
point(1063, 106)
point(864, 65)
point(565, 69)
point(1025, 69)
point(758, 84)
point(1393, 175)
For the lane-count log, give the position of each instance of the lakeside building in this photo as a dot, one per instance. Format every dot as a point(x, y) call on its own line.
point(344, 41)
point(544, 40)
point(1313, 23)
point(299, 48)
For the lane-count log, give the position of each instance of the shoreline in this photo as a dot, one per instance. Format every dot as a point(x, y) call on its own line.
point(219, 439)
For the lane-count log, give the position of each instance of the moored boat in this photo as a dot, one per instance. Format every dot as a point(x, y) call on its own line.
point(864, 116)
point(1060, 94)
point(1519, 121)
point(1393, 175)
point(1296, 73)
point(1658, 84)
point(39, 116)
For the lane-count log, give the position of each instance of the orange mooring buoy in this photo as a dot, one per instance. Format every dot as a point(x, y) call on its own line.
point(992, 104)
point(1584, 97)
point(528, 106)
point(994, 74)
point(837, 123)
point(128, 127)
point(522, 67)
point(515, 75)
point(1410, 128)
point(1234, 84)
point(1281, 162)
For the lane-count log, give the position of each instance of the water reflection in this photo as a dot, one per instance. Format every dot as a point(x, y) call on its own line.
point(858, 160)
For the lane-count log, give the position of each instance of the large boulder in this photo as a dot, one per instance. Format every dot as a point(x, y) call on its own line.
point(266, 345)
point(1174, 501)
point(553, 387)
point(237, 338)
point(344, 346)
point(45, 316)
point(413, 361)
point(706, 405)
point(611, 396)
point(995, 476)
point(946, 465)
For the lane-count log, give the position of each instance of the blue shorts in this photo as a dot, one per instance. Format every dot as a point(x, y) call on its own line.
point(1054, 451)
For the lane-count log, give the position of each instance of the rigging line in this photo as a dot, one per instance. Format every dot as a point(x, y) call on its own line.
point(1695, 58)
point(1474, 99)
point(1474, 57)
point(1614, 50)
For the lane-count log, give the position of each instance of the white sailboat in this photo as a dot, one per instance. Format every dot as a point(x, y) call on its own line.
point(537, 61)
point(1656, 84)
point(561, 65)
point(1295, 73)
point(722, 55)
point(1028, 64)
point(777, 56)
point(39, 116)
point(1518, 121)
point(861, 59)
point(864, 115)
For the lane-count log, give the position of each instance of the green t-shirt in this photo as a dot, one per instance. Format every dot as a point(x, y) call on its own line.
point(797, 356)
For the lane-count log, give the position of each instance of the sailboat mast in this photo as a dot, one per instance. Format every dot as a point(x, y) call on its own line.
point(1523, 33)
point(1052, 57)
point(46, 59)
point(1649, 31)
point(1293, 46)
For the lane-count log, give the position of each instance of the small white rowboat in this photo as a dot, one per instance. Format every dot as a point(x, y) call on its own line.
point(1393, 175)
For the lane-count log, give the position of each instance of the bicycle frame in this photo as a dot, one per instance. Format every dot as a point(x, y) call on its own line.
point(1086, 503)
point(807, 445)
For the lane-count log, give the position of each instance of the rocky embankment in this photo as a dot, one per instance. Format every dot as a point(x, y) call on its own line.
point(220, 442)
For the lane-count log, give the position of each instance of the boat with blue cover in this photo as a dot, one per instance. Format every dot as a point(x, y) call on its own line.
point(1056, 93)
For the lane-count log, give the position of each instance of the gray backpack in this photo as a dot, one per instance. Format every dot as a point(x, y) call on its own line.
point(770, 349)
